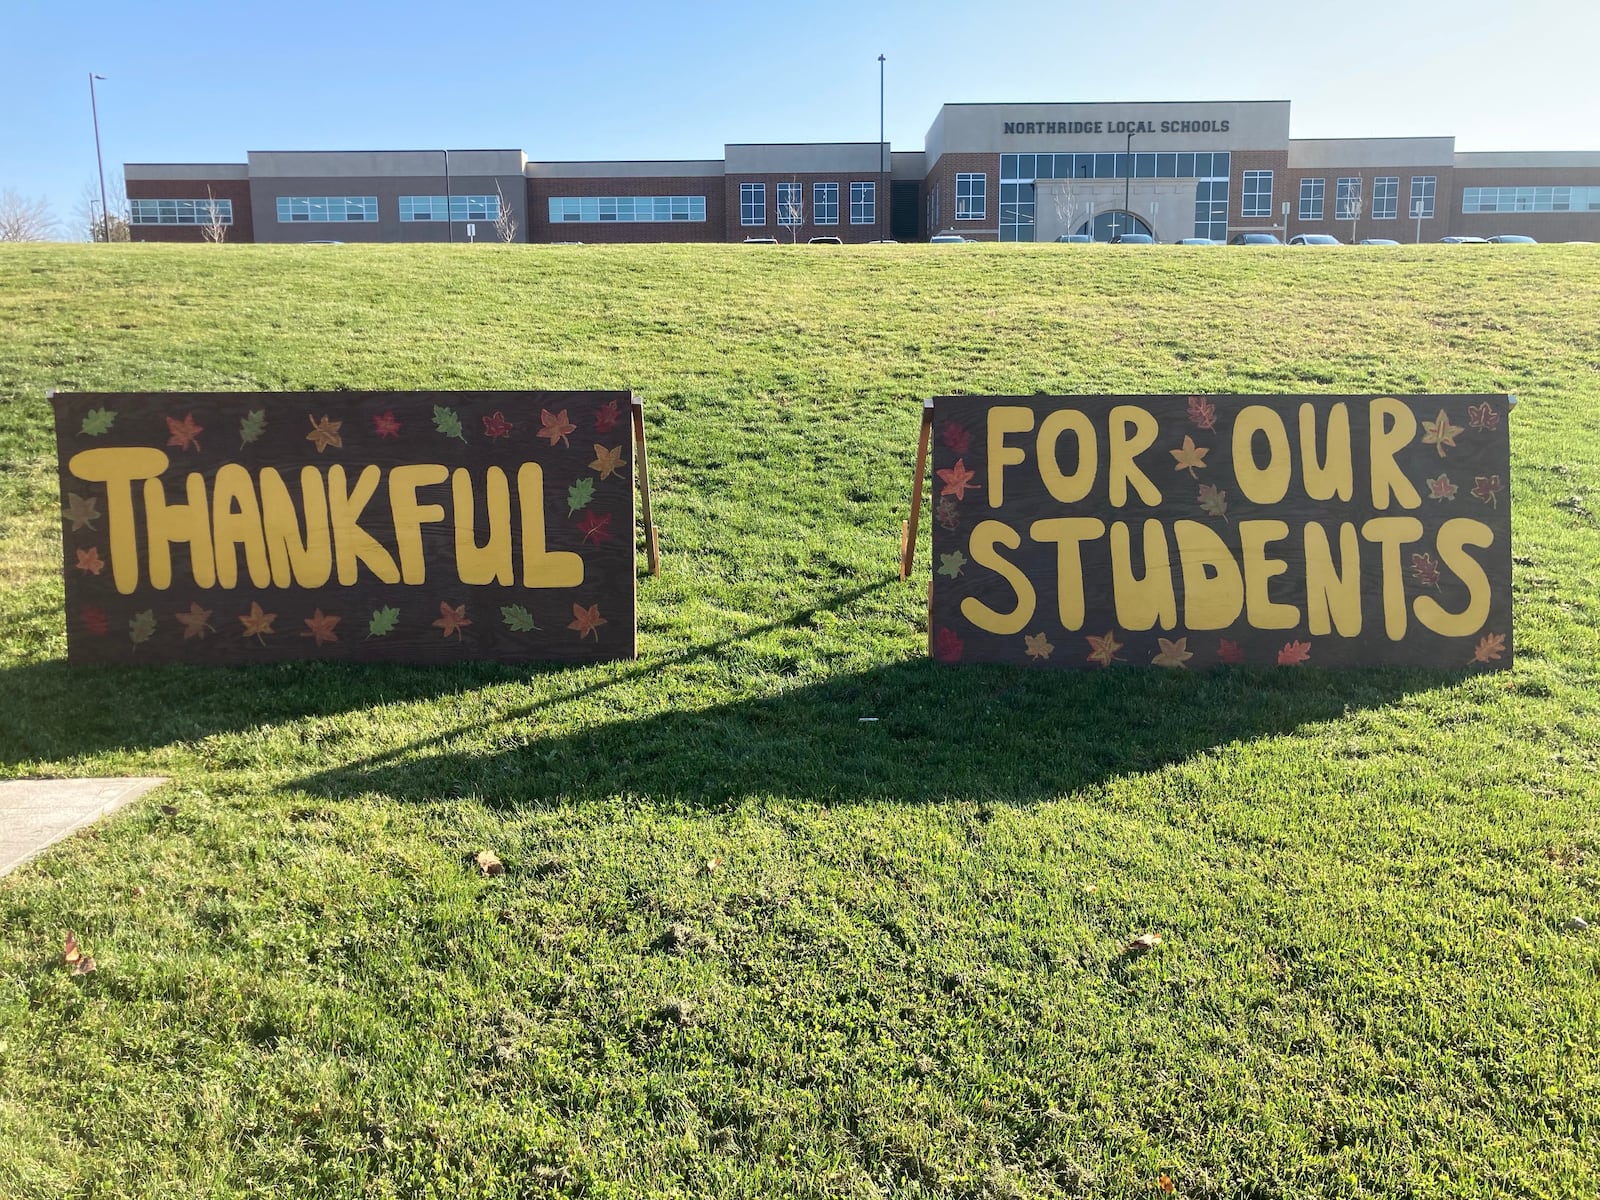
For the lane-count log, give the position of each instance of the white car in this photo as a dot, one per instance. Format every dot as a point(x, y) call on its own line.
point(1313, 239)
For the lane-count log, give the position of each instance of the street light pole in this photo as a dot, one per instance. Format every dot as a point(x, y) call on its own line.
point(882, 167)
point(1127, 182)
point(99, 162)
point(449, 217)
point(1416, 211)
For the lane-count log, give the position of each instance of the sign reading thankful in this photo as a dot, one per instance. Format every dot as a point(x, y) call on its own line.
point(1189, 531)
point(411, 526)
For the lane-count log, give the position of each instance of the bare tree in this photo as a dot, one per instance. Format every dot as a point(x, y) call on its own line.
point(791, 211)
point(215, 230)
point(505, 225)
point(87, 215)
point(24, 220)
point(1351, 206)
point(1066, 206)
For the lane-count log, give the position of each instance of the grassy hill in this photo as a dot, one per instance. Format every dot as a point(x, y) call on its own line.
point(746, 943)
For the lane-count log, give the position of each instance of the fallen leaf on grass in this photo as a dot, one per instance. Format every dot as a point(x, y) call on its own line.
point(74, 956)
point(1164, 1182)
point(1142, 944)
point(489, 863)
point(711, 864)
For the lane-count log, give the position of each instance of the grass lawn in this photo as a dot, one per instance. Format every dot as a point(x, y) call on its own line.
point(747, 944)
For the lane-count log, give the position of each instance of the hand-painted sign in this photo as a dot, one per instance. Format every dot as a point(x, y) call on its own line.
point(402, 526)
point(1190, 531)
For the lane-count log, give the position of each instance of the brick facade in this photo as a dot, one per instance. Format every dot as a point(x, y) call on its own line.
point(541, 190)
point(940, 188)
point(1240, 161)
point(236, 190)
point(736, 231)
point(1546, 227)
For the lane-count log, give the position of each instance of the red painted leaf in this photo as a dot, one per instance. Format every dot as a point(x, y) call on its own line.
point(185, 433)
point(955, 436)
point(386, 425)
point(496, 426)
point(1487, 488)
point(1228, 651)
point(1202, 412)
point(597, 527)
point(1426, 569)
point(94, 620)
point(947, 645)
point(605, 420)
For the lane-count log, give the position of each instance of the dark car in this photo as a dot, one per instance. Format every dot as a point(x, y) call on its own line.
point(1313, 239)
point(1135, 239)
point(1464, 241)
point(1379, 242)
point(1515, 239)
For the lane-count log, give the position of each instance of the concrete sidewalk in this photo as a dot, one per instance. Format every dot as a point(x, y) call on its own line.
point(37, 813)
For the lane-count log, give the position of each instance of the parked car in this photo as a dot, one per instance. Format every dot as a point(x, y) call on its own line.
point(1313, 239)
point(1197, 242)
point(941, 239)
point(1516, 239)
point(1075, 237)
point(1254, 239)
point(761, 241)
point(1459, 241)
point(1135, 239)
point(827, 239)
point(1378, 242)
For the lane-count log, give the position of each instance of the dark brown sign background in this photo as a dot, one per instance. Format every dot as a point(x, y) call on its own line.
point(1432, 544)
point(242, 595)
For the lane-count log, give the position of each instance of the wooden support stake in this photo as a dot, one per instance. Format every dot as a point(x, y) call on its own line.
point(908, 530)
point(652, 548)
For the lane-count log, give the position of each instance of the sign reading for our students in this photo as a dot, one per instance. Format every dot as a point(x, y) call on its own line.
point(1191, 531)
point(405, 526)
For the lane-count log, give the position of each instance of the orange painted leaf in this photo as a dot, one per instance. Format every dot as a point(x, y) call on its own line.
point(324, 433)
point(1191, 456)
point(1103, 650)
point(257, 623)
point(607, 462)
point(451, 620)
point(1489, 648)
point(556, 427)
point(321, 627)
point(1038, 645)
point(1173, 653)
point(957, 480)
point(1439, 432)
point(89, 560)
point(185, 433)
point(196, 621)
point(1294, 654)
point(586, 621)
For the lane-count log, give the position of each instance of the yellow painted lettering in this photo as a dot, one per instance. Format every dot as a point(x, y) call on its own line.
point(304, 561)
point(1261, 610)
point(1068, 489)
point(1393, 428)
point(189, 523)
point(1333, 597)
point(1332, 473)
point(542, 568)
point(353, 545)
point(1069, 534)
point(1004, 419)
point(985, 536)
point(1391, 533)
point(1261, 484)
point(1142, 603)
point(410, 516)
point(236, 522)
point(1132, 432)
point(1213, 588)
point(118, 467)
point(491, 562)
point(1454, 536)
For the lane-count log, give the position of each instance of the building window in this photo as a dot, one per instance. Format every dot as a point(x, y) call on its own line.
point(1211, 209)
point(1530, 199)
point(1347, 198)
point(180, 212)
point(462, 208)
point(1311, 199)
point(972, 197)
point(1385, 197)
point(1423, 188)
point(791, 211)
point(318, 209)
point(752, 204)
point(626, 209)
point(824, 203)
point(1025, 168)
point(1257, 199)
point(1017, 211)
point(863, 203)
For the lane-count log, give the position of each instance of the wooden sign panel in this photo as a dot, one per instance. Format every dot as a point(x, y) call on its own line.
point(1191, 531)
point(427, 527)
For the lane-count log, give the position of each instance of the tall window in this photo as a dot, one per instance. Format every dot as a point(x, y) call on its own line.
point(1423, 188)
point(824, 203)
point(327, 208)
point(1347, 199)
point(1211, 209)
point(1311, 199)
point(863, 203)
point(752, 204)
point(462, 208)
point(972, 197)
point(1385, 197)
point(1257, 201)
point(592, 209)
point(180, 212)
point(791, 211)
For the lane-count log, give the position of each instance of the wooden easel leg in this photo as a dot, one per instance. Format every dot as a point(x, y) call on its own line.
point(908, 530)
point(652, 548)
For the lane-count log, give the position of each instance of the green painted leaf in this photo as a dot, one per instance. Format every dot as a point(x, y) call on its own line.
point(142, 626)
point(447, 423)
point(97, 421)
point(951, 564)
point(383, 621)
point(579, 495)
point(518, 618)
point(252, 426)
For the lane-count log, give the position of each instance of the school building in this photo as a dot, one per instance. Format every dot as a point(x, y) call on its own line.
point(988, 172)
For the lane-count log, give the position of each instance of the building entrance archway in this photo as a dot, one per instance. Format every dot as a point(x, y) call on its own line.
point(1108, 226)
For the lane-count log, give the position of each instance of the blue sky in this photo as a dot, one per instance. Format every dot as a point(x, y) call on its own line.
point(206, 83)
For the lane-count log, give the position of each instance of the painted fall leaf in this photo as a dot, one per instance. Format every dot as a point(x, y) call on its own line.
point(447, 422)
point(1440, 433)
point(1214, 501)
point(257, 622)
point(596, 527)
point(586, 621)
point(957, 480)
point(579, 495)
point(1489, 648)
point(955, 435)
point(1202, 412)
point(385, 424)
point(495, 425)
point(947, 645)
point(1229, 651)
point(947, 512)
point(196, 622)
point(1482, 417)
point(383, 621)
point(1442, 489)
point(1191, 456)
point(1173, 653)
point(324, 433)
point(94, 620)
point(1103, 650)
point(452, 620)
point(251, 426)
point(1425, 569)
point(82, 511)
point(142, 626)
point(185, 434)
point(1294, 654)
point(556, 427)
point(97, 421)
point(320, 627)
point(517, 618)
point(1038, 645)
point(607, 462)
point(951, 564)
point(605, 419)
point(89, 560)
point(1487, 488)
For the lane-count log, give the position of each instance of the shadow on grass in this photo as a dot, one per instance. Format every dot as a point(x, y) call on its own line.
point(909, 732)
